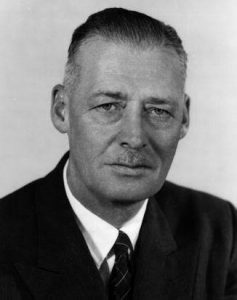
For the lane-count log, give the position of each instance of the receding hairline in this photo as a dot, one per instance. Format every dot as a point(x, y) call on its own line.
point(143, 45)
point(122, 25)
point(126, 25)
point(73, 66)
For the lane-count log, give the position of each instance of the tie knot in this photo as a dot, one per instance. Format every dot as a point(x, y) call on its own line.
point(122, 244)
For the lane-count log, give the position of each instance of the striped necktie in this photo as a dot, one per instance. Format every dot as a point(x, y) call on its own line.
point(120, 278)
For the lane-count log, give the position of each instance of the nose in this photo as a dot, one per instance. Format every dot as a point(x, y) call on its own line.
point(132, 134)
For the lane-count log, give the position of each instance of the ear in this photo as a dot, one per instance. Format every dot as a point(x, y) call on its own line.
point(186, 116)
point(59, 109)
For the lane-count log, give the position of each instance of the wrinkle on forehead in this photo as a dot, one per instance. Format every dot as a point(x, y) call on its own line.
point(102, 44)
point(125, 69)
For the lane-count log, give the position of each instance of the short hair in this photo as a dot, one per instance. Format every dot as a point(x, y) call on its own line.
point(125, 26)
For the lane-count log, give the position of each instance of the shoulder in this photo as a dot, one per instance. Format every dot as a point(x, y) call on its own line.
point(19, 202)
point(19, 214)
point(193, 200)
point(199, 214)
point(197, 210)
point(18, 223)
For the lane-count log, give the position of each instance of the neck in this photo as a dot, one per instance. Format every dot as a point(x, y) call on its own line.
point(118, 214)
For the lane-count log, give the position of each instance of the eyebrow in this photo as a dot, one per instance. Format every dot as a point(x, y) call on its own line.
point(110, 94)
point(158, 100)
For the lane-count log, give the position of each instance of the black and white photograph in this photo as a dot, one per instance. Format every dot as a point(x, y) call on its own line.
point(118, 150)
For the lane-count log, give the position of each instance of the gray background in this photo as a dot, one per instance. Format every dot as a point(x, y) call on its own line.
point(35, 35)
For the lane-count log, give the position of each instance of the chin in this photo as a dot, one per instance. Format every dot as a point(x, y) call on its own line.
point(133, 193)
point(128, 188)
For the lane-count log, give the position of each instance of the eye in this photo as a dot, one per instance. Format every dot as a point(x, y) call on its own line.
point(106, 106)
point(158, 111)
point(158, 115)
point(109, 107)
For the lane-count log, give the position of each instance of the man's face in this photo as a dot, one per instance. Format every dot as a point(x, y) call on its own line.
point(126, 115)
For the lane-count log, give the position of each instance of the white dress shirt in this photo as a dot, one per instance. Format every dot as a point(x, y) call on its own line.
point(99, 235)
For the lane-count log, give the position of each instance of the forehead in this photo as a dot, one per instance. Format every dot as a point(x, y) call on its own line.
point(123, 66)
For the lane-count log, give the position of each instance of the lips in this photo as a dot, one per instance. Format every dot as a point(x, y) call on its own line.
point(130, 170)
point(132, 166)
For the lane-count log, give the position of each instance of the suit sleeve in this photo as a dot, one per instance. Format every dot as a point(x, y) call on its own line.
point(231, 284)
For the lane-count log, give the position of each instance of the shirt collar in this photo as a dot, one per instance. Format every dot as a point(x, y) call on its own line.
point(99, 235)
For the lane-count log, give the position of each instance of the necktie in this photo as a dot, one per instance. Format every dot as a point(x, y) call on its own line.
point(120, 278)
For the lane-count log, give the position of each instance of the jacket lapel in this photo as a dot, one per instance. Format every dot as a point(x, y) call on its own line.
point(64, 265)
point(164, 269)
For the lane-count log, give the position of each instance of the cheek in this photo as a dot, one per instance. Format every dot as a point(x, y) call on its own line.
point(165, 142)
point(89, 140)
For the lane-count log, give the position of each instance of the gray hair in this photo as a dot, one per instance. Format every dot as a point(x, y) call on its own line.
point(125, 26)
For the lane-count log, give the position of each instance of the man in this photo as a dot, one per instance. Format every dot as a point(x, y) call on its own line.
point(104, 223)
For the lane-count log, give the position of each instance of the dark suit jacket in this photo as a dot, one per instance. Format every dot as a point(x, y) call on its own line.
point(187, 247)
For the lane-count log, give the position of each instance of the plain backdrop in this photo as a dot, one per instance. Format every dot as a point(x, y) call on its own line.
point(35, 35)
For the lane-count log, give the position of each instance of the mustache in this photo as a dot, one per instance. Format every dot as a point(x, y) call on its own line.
point(132, 157)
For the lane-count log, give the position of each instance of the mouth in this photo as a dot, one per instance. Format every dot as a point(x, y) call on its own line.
point(130, 169)
point(132, 166)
